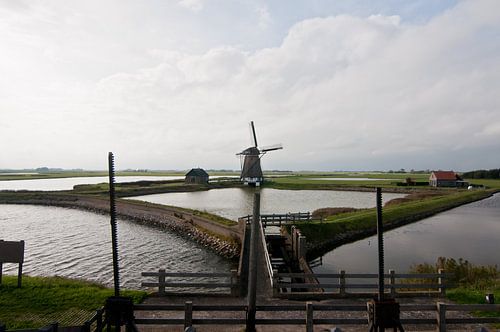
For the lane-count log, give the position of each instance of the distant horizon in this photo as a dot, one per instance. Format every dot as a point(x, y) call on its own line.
point(57, 169)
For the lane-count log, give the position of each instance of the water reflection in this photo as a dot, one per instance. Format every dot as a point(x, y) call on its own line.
point(471, 231)
point(68, 183)
point(77, 244)
point(233, 203)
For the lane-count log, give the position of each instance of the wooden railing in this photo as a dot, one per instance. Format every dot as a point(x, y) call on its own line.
point(215, 281)
point(267, 258)
point(312, 314)
point(292, 285)
point(280, 219)
point(95, 323)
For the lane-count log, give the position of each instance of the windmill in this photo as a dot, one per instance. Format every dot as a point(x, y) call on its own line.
point(251, 172)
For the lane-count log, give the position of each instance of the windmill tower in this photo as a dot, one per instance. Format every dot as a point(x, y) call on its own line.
point(251, 172)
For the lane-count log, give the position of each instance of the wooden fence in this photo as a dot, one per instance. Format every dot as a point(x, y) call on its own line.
point(280, 219)
point(307, 315)
point(312, 314)
point(228, 281)
point(292, 285)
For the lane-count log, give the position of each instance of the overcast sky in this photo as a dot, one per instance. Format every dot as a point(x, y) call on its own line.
point(164, 84)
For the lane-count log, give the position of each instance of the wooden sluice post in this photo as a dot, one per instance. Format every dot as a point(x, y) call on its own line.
point(252, 274)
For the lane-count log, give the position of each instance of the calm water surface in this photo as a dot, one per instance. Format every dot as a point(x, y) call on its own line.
point(233, 203)
point(471, 232)
point(77, 244)
point(68, 183)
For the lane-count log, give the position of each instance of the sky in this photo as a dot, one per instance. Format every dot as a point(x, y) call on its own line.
point(173, 84)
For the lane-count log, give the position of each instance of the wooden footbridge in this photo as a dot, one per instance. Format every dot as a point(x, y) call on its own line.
point(276, 219)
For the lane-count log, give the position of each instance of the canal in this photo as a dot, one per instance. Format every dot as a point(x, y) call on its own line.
point(470, 232)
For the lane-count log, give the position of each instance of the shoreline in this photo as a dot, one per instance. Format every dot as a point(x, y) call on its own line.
point(221, 239)
point(320, 248)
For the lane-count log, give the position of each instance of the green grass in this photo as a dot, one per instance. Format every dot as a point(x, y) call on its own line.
point(469, 283)
point(317, 232)
point(42, 300)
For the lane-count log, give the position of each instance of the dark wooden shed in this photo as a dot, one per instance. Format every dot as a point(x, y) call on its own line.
point(196, 176)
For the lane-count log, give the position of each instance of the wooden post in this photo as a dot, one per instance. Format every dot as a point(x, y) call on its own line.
point(20, 275)
point(99, 323)
point(301, 252)
point(309, 317)
point(1, 267)
point(188, 314)
point(252, 270)
point(161, 281)
point(392, 283)
point(441, 317)
point(441, 282)
point(234, 283)
point(342, 283)
point(276, 289)
point(86, 327)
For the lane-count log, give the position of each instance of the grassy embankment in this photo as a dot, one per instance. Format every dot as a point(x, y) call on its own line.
point(469, 282)
point(344, 227)
point(42, 300)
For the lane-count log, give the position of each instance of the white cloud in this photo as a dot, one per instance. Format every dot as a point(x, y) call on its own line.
point(264, 17)
point(346, 92)
point(194, 5)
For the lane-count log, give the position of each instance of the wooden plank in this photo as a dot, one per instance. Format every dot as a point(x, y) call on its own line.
point(280, 321)
point(434, 286)
point(188, 274)
point(418, 321)
point(422, 275)
point(203, 307)
point(341, 321)
point(219, 321)
point(187, 284)
point(363, 275)
point(280, 308)
point(417, 307)
point(164, 307)
point(478, 320)
point(159, 321)
point(339, 307)
point(471, 307)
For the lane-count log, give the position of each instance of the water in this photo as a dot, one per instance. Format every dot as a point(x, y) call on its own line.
point(470, 231)
point(77, 244)
point(68, 183)
point(233, 203)
point(353, 179)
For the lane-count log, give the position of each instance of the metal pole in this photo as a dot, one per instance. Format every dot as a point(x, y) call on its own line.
point(380, 238)
point(252, 269)
point(112, 212)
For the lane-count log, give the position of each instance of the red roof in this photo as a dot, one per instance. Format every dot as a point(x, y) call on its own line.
point(445, 175)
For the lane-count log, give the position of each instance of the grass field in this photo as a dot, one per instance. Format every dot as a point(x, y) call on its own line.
point(43, 300)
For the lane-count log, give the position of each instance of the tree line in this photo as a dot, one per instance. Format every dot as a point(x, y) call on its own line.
point(483, 174)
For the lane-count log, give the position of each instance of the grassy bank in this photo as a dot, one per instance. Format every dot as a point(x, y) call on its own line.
point(469, 283)
point(42, 300)
point(325, 235)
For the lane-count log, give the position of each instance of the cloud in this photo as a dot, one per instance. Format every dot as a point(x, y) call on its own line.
point(342, 87)
point(194, 5)
point(340, 92)
point(264, 17)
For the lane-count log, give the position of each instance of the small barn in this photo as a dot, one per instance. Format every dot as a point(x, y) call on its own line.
point(196, 176)
point(446, 179)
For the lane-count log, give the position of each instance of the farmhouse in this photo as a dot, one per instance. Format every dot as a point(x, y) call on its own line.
point(196, 176)
point(446, 179)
